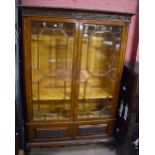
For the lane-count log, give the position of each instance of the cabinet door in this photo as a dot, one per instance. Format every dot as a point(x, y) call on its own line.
point(51, 45)
point(99, 69)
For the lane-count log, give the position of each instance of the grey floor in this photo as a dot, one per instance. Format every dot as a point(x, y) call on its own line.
point(95, 149)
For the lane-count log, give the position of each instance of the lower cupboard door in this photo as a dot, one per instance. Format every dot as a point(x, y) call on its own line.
point(65, 132)
point(86, 131)
point(49, 133)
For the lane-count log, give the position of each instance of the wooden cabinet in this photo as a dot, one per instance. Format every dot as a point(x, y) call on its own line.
point(73, 62)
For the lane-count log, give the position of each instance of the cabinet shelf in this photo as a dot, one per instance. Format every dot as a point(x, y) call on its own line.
point(95, 93)
point(52, 94)
point(49, 117)
point(47, 94)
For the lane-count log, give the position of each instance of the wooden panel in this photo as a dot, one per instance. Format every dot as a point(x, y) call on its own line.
point(27, 68)
point(89, 130)
point(92, 129)
point(49, 133)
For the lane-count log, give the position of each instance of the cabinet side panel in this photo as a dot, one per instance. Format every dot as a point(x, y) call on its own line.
point(27, 67)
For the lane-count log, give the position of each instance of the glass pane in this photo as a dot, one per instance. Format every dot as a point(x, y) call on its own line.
point(94, 108)
point(52, 54)
point(99, 67)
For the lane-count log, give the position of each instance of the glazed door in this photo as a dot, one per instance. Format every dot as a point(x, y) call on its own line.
point(100, 49)
point(52, 51)
point(72, 68)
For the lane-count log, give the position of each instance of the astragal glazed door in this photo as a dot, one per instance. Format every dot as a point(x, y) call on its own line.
point(52, 53)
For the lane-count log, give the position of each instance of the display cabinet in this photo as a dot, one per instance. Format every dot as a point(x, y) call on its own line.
point(73, 63)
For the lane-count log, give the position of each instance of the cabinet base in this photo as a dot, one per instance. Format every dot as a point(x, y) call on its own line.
point(108, 141)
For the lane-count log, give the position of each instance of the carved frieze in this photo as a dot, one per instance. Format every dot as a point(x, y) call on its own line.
point(76, 14)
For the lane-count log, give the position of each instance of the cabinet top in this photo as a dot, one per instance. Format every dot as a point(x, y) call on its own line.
point(76, 13)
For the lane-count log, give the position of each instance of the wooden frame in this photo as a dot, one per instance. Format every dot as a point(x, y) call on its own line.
point(68, 16)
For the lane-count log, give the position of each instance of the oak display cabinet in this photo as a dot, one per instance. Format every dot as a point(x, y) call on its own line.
point(73, 62)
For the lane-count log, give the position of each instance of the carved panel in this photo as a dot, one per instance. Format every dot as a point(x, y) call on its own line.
point(92, 130)
point(76, 14)
point(51, 133)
